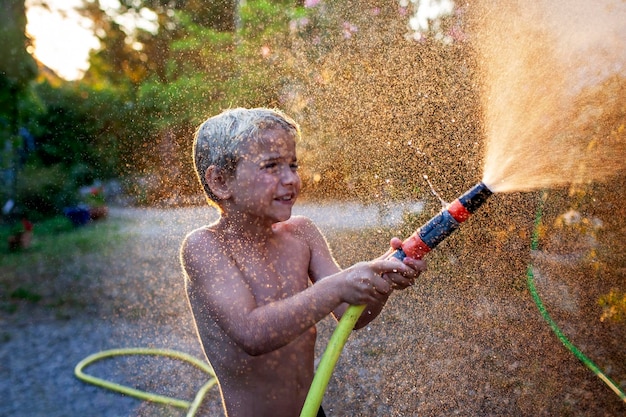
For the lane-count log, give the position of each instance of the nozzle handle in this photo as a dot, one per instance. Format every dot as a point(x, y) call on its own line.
point(475, 197)
point(444, 223)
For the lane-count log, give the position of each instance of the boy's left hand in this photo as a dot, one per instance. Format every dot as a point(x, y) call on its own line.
point(401, 281)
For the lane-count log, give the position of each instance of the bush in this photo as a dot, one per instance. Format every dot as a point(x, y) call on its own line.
point(44, 191)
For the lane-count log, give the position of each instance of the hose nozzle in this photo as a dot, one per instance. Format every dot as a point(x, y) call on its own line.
point(443, 224)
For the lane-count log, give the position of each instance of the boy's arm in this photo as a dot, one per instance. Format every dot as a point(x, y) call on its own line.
point(216, 287)
point(323, 265)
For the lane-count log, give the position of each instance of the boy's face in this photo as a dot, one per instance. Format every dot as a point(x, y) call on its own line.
point(266, 183)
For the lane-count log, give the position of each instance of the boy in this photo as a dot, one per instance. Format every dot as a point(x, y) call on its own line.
point(249, 274)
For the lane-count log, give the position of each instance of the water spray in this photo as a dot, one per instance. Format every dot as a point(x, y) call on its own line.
point(416, 246)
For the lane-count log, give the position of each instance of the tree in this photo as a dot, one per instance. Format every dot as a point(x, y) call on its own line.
point(17, 69)
point(134, 54)
point(192, 65)
point(17, 66)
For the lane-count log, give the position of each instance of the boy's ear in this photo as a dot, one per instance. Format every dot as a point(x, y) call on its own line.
point(217, 181)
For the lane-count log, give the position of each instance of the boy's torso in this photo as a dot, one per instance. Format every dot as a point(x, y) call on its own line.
point(275, 270)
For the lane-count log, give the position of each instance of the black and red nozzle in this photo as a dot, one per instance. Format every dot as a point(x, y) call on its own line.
point(443, 224)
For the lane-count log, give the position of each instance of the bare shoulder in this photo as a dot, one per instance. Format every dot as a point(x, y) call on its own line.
point(301, 226)
point(201, 236)
point(200, 248)
point(322, 262)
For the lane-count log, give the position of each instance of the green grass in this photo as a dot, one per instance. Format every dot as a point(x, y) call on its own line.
point(57, 238)
point(26, 275)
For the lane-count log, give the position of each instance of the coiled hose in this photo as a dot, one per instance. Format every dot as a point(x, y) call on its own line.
point(191, 406)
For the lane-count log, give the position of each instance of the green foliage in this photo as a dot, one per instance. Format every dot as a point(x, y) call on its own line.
point(17, 69)
point(45, 190)
point(56, 240)
point(330, 66)
point(210, 70)
point(80, 126)
point(135, 111)
point(613, 306)
point(21, 293)
point(80, 133)
point(204, 72)
point(54, 226)
point(263, 18)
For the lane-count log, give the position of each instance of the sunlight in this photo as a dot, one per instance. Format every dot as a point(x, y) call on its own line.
point(429, 11)
point(62, 38)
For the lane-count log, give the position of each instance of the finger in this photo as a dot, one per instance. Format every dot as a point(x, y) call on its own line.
point(396, 281)
point(389, 265)
point(395, 243)
point(381, 285)
point(399, 281)
point(418, 265)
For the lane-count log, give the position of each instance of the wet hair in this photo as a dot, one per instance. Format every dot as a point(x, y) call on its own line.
point(218, 141)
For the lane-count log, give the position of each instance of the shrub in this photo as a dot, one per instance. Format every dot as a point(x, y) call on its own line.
point(44, 191)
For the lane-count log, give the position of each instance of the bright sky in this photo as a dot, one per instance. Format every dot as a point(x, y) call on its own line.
point(61, 43)
point(63, 38)
point(427, 11)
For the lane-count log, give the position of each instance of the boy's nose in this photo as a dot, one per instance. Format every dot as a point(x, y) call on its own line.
point(289, 176)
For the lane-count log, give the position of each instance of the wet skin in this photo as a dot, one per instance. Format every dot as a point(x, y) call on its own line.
point(249, 279)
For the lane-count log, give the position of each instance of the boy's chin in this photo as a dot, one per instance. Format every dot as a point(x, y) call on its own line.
point(284, 216)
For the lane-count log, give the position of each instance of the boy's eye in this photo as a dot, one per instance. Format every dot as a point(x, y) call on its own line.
point(274, 166)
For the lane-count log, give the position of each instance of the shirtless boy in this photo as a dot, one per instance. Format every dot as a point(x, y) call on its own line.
point(258, 279)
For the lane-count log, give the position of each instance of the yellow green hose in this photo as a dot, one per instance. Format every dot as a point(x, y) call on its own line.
point(329, 360)
point(192, 407)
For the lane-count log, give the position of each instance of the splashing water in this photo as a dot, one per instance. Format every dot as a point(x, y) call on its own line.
point(553, 91)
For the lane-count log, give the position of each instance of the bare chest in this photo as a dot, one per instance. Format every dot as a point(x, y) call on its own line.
point(276, 271)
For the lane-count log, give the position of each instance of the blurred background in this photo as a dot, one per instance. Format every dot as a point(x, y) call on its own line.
point(99, 101)
point(133, 80)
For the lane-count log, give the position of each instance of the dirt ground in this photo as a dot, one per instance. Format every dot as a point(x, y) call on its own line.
point(466, 340)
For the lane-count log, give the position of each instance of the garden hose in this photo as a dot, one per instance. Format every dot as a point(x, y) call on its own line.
point(329, 359)
point(544, 313)
point(192, 407)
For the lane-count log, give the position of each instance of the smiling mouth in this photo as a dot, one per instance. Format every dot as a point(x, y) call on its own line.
point(285, 198)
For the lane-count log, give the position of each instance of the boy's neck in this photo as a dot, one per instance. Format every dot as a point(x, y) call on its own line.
point(245, 227)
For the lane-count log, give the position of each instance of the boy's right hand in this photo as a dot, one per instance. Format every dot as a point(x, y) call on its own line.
point(368, 282)
point(402, 281)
